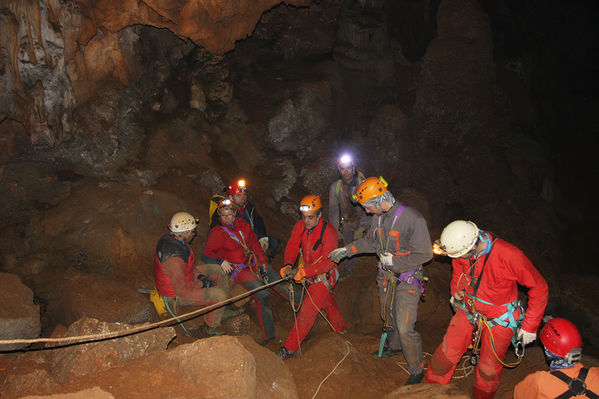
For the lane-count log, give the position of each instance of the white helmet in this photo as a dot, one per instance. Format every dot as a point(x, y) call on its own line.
point(182, 222)
point(458, 237)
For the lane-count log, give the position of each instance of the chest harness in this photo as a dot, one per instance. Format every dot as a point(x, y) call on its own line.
point(250, 261)
point(479, 320)
point(329, 278)
point(576, 385)
point(344, 193)
point(391, 280)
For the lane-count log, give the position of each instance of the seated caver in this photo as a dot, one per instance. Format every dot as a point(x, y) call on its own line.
point(237, 192)
point(185, 286)
point(234, 245)
point(567, 378)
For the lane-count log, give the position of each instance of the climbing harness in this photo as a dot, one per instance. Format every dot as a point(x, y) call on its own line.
point(576, 385)
point(480, 321)
point(250, 262)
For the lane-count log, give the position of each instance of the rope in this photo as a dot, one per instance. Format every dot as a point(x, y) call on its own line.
point(121, 333)
point(348, 344)
point(466, 368)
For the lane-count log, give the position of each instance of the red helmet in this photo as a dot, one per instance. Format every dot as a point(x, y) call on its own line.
point(236, 187)
point(562, 338)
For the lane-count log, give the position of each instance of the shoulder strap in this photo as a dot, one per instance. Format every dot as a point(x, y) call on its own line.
point(576, 386)
point(338, 187)
point(319, 241)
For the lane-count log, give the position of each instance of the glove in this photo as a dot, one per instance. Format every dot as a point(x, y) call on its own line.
point(263, 243)
point(386, 258)
point(337, 254)
point(226, 266)
point(287, 271)
point(526, 337)
point(456, 301)
point(262, 272)
point(359, 233)
point(299, 275)
point(207, 281)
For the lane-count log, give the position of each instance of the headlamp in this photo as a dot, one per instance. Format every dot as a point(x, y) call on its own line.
point(345, 160)
point(241, 183)
point(304, 208)
point(438, 249)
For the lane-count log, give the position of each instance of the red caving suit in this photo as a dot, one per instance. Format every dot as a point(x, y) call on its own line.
point(505, 268)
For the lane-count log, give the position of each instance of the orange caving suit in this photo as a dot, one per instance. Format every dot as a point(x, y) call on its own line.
point(175, 275)
point(543, 385)
point(321, 277)
point(505, 268)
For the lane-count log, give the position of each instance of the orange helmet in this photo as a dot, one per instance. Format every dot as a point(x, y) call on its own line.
point(225, 203)
point(370, 188)
point(236, 187)
point(345, 161)
point(310, 203)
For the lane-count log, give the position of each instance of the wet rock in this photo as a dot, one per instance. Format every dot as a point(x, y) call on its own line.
point(83, 359)
point(302, 118)
point(19, 316)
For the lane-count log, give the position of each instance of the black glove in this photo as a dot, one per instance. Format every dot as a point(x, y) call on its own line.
point(208, 282)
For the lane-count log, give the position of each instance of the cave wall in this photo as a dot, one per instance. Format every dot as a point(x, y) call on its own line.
point(167, 101)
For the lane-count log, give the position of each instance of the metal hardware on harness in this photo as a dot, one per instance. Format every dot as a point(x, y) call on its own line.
point(475, 355)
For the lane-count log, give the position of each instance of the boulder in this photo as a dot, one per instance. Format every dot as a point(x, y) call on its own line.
point(84, 359)
point(228, 369)
point(19, 315)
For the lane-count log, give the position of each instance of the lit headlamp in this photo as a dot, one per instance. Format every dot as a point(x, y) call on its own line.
point(304, 208)
point(345, 160)
point(241, 184)
point(438, 249)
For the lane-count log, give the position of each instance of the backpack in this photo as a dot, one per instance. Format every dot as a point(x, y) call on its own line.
point(216, 198)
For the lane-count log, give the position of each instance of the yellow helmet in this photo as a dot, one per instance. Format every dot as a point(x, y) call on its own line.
point(310, 203)
point(370, 188)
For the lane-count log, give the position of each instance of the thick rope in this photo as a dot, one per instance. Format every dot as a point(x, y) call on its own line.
point(64, 341)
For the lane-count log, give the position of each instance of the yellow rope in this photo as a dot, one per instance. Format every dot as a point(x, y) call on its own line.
point(509, 365)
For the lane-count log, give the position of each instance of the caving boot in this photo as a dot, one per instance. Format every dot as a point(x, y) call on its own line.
point(415, 379)
point(213, 331)
point(285, 353)
point(387, 352)
point(231, 311)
